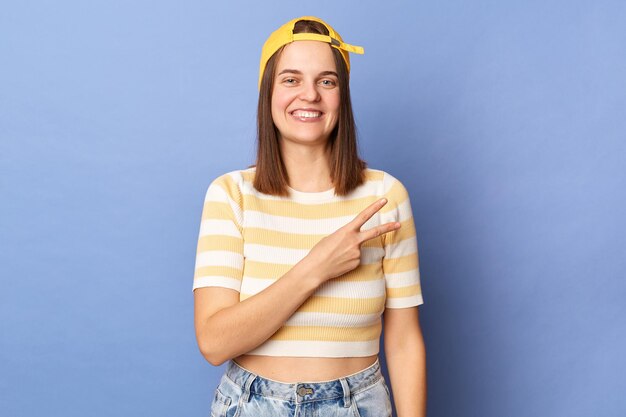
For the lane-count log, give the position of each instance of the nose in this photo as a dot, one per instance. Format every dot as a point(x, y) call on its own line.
point(309, 92)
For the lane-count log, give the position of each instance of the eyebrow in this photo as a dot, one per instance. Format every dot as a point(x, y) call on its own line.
point(294, 71)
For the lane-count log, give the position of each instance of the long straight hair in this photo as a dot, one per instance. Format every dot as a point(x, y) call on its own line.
point(346, 168)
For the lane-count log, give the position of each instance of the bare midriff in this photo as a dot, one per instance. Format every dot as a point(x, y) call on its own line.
point(291, 369)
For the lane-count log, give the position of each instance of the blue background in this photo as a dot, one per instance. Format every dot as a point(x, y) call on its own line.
point(506, 121)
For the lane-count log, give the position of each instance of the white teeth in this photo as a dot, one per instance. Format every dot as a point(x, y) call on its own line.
point(306, 114)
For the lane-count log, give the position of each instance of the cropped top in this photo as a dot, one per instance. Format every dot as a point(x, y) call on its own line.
point(248, 240)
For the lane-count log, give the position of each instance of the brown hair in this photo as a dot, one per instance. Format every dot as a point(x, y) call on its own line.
point(346, 168)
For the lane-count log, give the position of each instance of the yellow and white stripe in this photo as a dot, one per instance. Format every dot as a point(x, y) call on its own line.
point(248, 240)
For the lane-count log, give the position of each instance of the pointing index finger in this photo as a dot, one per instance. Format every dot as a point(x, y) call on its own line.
point(367, 214)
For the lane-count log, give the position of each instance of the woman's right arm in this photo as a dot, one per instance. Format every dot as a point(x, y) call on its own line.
point(227, 328)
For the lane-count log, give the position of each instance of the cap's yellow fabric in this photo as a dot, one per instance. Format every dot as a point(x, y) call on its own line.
point(284, 35)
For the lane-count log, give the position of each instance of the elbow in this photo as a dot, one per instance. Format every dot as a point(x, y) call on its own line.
point(211, 354)
point(212, 347)
point(214, 359)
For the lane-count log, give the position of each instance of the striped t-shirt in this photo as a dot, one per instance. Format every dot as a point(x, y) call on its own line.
point(248, 240)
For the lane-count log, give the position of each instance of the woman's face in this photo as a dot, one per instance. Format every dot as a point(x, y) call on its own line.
point(305, 99)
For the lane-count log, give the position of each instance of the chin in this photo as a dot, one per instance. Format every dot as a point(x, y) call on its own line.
point(308, 138)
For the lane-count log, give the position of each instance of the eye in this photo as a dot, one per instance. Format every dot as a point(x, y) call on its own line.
point(289, 81)
point(328, 83)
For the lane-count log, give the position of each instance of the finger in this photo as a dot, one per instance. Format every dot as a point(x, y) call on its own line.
point(366, 214)
point(378, 230)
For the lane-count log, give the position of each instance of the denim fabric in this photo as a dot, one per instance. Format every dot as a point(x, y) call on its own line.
point(241, 393)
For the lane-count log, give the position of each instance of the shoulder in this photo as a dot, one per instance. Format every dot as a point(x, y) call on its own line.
point(387, 184)
point(238, 176)
point(233, 183)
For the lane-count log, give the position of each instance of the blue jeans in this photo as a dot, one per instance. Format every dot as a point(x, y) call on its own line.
point(241, 393)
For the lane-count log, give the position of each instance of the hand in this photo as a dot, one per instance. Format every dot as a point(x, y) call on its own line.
point(340, 252)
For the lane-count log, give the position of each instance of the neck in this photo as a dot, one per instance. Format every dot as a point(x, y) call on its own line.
point(307, 167)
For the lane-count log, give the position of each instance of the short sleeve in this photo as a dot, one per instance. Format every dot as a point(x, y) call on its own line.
point(219, 254)
point(400, 262)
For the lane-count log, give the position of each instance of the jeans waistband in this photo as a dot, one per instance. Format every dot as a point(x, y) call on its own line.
point(300, 392)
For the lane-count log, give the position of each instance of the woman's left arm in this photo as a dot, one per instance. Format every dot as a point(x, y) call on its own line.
point(405, 354)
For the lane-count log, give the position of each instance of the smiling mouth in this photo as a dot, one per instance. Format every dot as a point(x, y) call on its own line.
point(306, 114)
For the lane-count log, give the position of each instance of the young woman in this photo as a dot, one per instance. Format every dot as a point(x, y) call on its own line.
point(302, 256)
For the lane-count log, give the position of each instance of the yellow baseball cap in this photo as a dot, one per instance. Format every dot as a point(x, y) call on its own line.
point(284, 35)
